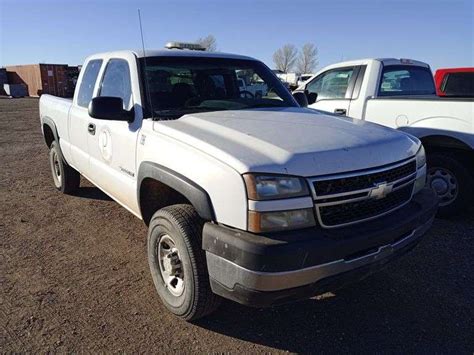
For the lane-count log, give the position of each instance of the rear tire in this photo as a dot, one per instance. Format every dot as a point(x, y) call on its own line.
point(65, 178)
point(178, 263)
point(450, 178)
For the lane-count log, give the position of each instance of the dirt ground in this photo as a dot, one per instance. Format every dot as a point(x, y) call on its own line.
point(74, 277)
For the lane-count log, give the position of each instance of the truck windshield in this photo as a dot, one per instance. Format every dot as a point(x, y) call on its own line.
point(404, 80)
point(181, 85)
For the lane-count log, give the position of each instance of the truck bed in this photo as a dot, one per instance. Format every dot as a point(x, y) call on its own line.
point(423, 115)
point(55, 109)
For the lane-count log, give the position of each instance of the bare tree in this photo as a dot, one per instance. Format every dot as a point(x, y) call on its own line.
point(209, 42)
point(308, 59)
point(285, 58)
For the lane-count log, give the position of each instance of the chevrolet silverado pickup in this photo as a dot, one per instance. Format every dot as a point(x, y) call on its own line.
point(400, 93)
point(247, 197)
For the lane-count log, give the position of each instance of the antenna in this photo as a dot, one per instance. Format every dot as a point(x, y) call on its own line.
point(147, 88)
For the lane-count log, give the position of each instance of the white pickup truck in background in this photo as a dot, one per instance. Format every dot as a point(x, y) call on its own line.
point(249, 88)
point(400, 93)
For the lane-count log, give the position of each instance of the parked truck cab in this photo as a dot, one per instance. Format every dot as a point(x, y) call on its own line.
point(247, 197)
point(400, 93)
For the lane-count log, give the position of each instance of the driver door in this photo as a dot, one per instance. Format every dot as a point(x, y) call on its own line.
point(333, 89)
point(112, 145)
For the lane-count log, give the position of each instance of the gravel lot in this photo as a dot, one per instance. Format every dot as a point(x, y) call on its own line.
point(74, 277)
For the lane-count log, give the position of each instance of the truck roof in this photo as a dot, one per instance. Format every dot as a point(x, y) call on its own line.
point(385, 61)
point(171, 53)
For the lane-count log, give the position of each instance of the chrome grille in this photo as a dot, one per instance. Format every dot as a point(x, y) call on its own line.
point(359, 182)
point(360, 210)
point(351, 198)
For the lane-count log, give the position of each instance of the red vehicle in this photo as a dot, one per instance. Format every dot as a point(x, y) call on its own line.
point(457, 82)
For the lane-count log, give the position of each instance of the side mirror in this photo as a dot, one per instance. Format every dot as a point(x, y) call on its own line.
point(109, 108)
point(312, 97)
point(301, 98)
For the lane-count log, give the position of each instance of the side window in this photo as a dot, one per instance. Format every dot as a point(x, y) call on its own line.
point(332, 84)
point(116, 82)
point(406, 80)
point(88, 82)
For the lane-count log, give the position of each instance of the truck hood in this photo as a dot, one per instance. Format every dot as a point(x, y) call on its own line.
point(294, 141)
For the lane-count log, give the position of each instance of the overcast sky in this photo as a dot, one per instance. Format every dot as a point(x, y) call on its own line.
point(440, 33)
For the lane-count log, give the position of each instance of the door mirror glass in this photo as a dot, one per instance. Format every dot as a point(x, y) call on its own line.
point(301, 98)
point(109, 108)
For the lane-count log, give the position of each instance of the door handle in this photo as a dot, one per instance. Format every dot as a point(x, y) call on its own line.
point(91, 128)
point(340, 111)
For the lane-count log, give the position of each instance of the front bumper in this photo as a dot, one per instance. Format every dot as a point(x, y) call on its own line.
point(259, 270)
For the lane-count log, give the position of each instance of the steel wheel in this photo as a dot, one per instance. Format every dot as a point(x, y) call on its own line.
point(444, 183)
point(56, 169)
point(170, 263)
point(178, 262)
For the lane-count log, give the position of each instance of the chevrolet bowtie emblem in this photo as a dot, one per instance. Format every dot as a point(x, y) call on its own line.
point(381, 190)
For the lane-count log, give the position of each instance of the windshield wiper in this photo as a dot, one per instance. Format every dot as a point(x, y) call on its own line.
point(264, 104)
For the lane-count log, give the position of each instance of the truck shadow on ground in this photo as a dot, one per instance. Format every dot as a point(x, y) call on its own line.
point(363, 318)
point(418, 303)
point(92, 193)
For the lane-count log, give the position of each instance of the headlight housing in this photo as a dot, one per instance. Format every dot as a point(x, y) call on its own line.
point(420, 157)
point(259, 222)
point(265, 187)
point(420, 180)
point(272, 187)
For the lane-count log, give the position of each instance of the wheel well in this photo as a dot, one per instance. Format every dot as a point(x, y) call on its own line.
point(48, 135)
point(451, 146)
point(155, 195)
point(443, 142)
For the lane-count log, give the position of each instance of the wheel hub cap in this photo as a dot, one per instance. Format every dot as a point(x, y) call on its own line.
point(444, 183)
point(170, 266)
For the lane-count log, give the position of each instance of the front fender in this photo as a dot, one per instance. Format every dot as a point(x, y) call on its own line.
point(193, 192)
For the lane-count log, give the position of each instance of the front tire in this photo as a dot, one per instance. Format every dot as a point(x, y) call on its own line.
point(66, 179)
point(449, 177)
point(178, 263)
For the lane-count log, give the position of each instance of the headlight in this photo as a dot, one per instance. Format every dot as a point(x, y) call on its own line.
point(420, 157)
point(271, 187)
point(420, 181)
point(281, 220)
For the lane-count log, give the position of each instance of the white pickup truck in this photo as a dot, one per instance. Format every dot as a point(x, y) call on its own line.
point(255, 89)
point(400, 93)
point(255, 199)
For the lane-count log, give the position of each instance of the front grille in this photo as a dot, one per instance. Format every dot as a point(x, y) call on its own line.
point(359, 182)
point(346, 199)
point(350, 212)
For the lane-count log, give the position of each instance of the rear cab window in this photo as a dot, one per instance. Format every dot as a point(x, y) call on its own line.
point(458, 84)
point(86, 89)
point(403, 80)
